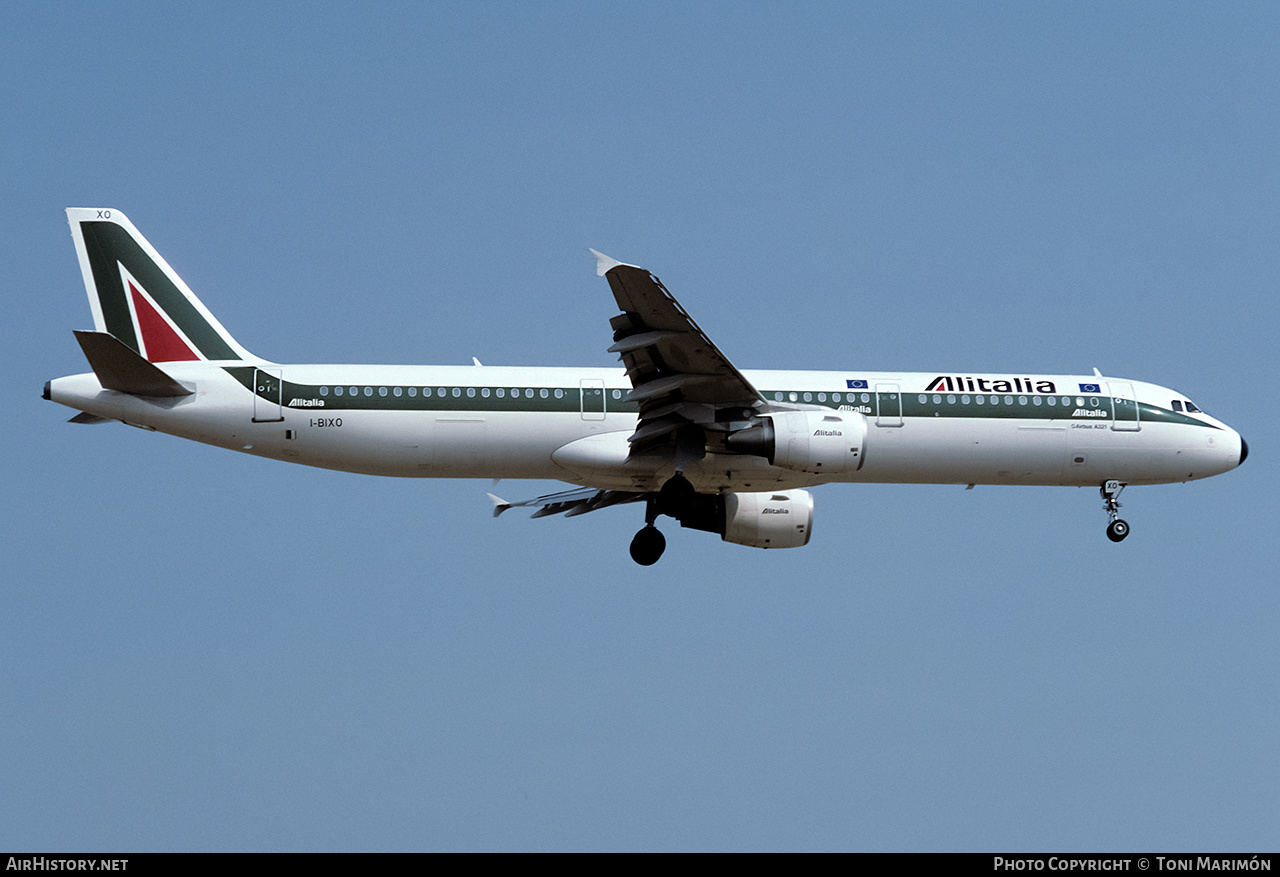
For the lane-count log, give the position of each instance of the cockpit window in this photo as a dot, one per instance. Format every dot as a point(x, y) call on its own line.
point(1191, 407)
point(1177, 405)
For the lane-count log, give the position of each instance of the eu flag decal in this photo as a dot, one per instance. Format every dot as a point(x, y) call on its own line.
point(856, 385)
point(1090, 388)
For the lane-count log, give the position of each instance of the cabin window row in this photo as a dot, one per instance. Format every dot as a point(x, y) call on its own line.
point(936, 399)
point(453, 392)
point(964, 399)
point(822, 397)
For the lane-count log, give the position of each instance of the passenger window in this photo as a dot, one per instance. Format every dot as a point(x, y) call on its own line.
point(324, 391)
point(471, 392)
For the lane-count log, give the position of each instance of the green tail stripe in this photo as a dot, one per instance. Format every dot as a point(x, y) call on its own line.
point(106, 244)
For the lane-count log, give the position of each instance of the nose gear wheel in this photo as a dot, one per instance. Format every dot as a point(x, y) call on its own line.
point(1117, 529)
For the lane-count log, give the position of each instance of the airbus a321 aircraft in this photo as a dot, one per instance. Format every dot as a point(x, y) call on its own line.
point(678, 429)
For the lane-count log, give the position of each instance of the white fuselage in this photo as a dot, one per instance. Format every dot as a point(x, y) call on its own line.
point(573, 425)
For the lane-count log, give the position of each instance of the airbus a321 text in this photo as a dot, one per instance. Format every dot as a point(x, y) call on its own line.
point(678, 429)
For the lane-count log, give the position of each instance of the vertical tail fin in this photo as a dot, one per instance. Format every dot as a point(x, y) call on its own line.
point(137, 298)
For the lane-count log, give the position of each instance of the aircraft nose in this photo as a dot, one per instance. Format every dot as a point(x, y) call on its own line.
point(1244, 450)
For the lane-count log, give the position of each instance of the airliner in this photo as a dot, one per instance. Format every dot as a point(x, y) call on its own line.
point(678, 429)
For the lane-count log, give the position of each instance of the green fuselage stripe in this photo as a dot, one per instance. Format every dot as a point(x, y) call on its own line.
point(1078, 408)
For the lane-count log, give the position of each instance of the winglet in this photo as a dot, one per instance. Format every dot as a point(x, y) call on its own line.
point(500, 505)
point(604, 263)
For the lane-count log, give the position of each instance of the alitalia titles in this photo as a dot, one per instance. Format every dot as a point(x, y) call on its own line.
point(988, 385)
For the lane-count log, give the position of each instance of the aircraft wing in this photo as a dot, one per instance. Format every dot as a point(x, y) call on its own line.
point(568, 502)
point(678, 375)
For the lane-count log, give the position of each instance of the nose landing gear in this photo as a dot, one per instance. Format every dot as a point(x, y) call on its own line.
point(1117, 529)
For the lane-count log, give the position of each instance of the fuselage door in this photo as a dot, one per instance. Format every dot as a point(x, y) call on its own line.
point(592, 391)
point(267, 387)
point(1124, 407)
point(888, 405)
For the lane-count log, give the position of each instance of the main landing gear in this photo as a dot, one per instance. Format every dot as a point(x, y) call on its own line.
point(647, 545)
point(1117, 529)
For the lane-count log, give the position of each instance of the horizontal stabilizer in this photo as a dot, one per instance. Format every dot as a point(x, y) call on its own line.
point(86, 417)
point(119, 368)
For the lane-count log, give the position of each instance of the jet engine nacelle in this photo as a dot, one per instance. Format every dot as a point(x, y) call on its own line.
point(778, 519)
point(817, 442)
point(782, 519)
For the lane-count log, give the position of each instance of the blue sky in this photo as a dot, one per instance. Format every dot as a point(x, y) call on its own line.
point(205, 651)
